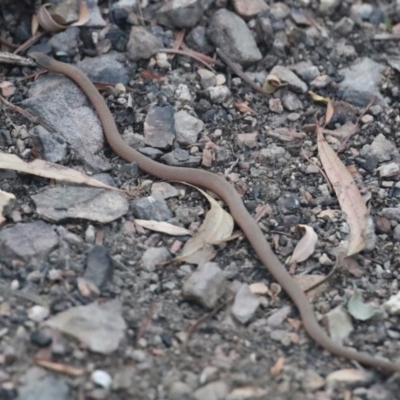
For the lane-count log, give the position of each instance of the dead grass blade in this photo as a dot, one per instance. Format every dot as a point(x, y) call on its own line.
point(349, 197)
point(49, 170)
point(163, 227)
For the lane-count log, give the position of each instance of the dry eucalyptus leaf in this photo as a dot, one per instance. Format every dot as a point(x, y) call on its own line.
point(317, 97)
point(163, 227)
point(217, 227)
point(272, 83)
point(54, 23)
point(305, 247)
point(244, 108)
point(364, 311)
point(49, 170)
point(259, 288)
point(349, 197)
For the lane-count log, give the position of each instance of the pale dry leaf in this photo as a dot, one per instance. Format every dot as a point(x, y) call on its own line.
point(163, 227)
point(6, 202)
point(49, 170)
point(346, 130)
point(348, 376)
point(216, 228)
point(286, 134)
point(306, 245)
point(329, 112)
point(244, 108)
point(7, 88)
point(272, 83)
point(364, 311)
point(277, 368)
point(349, 197)
point(259, 288)
point(317, 97)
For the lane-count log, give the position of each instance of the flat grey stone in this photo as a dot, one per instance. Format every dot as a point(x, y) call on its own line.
point(142, 44)
point(361, 82)
point(206, 285)
point(100, 205)
point(151, 208)
point(230, 33)
point(48, 388)
point(62, 104)
point(245, 304)
point(26, 241)
point(51, 146)
point(187, 127)
point(180, 14)
point(159, 127)
point(111, 68)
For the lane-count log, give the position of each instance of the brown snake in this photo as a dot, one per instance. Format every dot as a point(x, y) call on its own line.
point(227, 193)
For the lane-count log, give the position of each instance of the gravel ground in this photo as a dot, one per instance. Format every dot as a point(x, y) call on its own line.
point(90, 306)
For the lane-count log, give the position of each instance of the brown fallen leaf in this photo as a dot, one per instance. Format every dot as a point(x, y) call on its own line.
point(286, 134)
point(52, 22)
point(277, 368)
point(305, 247)
point(216, 228)
point(349, 197)
point(244, 108)
point(62, 368)
point(163, 227)
point(49, 170)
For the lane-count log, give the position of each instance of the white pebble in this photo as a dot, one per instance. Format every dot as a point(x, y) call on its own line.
point(101, 378)
point(38, 313)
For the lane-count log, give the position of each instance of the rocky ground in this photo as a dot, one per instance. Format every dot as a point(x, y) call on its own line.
point(90, 308)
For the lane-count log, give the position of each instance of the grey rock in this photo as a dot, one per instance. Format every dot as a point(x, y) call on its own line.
point(111, 68)
point(219, 94)
point(396, 233)
point(213, 391)
point(100, 205)
point(361, 82)
point(26, 241)
point(181, 158)
point(394, 62)
point(207, 78)
point(99, 266)
point(123, 378)
point(164, 190)
point(51, 146)
point(63, 105)
point(328, 7)
point(151, 152)
point(197, 40)
point(205, 285)
point(159, 127)
point(151, 208)
point(142, 44)
point(99, 326)
point(66, 41)
point(342, 51)
point(48, 388)
point(187, 128)
point(290, 101)
point(249, 9)
point(306, 70)
point(344, 26)
point(245, 304)
point(180, 14)
point(286, 75)
point(179, 391)
point(230, 33)
point(96, 20)
point(152, 256)
point(381, 148)
point(391, 213)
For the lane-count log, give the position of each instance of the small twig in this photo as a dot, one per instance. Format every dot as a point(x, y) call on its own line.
point(34, 119)
point(8, 44)
point(204, 318)
point(237, 69)
point(188, 54)
point(29, 43)
point(10, 58)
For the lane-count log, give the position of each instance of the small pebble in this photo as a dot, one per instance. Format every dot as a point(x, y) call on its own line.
point(101, 378)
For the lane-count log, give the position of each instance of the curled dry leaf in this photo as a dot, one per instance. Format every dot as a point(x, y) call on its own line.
point(6, 202)
point(51, 22)
point(163, 227)
point(305, 247)
point(244, 108)
point(272, 84)
point(7, 88)
point(317, 97)
point(216, 228)
point(286, 134)
point(49, 170)
point(351, 202)
point(364, 311)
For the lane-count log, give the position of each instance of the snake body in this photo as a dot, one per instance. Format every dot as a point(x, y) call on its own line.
point(229, 195)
